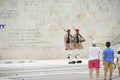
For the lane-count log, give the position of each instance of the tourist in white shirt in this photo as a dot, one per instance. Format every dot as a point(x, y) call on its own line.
point(118, 60)
point(94, 62)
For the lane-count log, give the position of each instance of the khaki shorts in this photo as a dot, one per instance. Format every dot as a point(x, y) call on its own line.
point(108, 65)
point(118, 64)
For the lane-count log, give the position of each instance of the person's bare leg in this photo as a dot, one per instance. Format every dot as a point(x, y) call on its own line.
point(91, 73)
point(110, 74)
point(119, 71)
point(105, 74)
point(97, 72)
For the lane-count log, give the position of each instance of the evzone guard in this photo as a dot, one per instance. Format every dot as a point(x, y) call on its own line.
point(73, 43)
point(77, 44)
point(68, 41)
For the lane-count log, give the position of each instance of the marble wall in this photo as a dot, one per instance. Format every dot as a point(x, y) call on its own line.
point(34, 28)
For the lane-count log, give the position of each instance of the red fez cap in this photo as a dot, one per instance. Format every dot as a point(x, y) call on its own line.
point(68, 30)
point(77, 30)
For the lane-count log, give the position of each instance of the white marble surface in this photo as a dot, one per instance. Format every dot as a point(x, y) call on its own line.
point(34, 27)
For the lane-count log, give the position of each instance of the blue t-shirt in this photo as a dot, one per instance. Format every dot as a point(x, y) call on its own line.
point(108, 54)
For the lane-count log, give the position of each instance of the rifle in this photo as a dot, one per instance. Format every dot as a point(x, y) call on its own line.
point(98, 43)
point(79, 35)
point(68, 34)
point(91, 38)
point(66, 31)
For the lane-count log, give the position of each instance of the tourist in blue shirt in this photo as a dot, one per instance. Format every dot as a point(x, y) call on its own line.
point(108, 59)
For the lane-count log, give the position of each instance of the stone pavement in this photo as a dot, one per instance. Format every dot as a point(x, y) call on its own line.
point(46, 70)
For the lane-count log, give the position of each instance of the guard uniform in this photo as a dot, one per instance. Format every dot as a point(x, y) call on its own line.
point(68, 41)
point(77, 44)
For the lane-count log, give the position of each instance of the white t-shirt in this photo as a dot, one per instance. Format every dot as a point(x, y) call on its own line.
point(118, 56)
point(94, 52)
